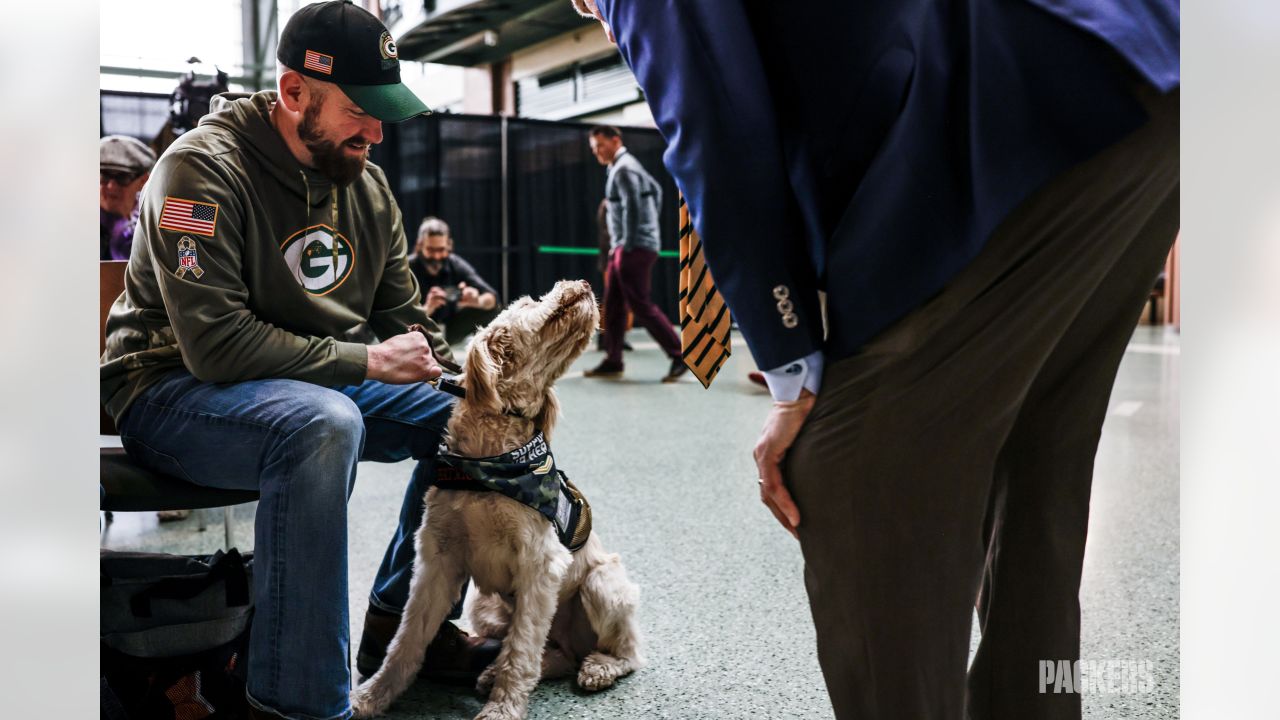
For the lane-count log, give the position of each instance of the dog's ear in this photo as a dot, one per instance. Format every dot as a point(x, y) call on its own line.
point(550, 413)
point(481, 378)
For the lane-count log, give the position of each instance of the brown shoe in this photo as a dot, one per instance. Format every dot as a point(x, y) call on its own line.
point(455, 656)
point(678, 368)
point(605, 369)
point(452, 656)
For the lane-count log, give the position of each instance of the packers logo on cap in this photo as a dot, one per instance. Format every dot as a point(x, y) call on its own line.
point(387, 46)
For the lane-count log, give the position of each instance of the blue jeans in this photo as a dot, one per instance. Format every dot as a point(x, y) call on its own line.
point(297, 444)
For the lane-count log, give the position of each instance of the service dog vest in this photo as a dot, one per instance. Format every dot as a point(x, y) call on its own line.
point(529, 476)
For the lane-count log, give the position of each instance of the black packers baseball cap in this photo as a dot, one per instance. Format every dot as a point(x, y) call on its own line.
point(341, 43)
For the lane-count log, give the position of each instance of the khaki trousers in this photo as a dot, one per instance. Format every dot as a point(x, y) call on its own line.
point(949, 463)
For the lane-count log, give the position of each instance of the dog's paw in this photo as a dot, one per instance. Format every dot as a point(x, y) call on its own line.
point(365, 703)
point(500, 711)
point(600, 671)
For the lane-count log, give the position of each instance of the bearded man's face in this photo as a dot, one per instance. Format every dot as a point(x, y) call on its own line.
point(434, 250)
point(338, 134)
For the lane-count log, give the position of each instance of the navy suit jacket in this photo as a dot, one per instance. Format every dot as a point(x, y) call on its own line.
point(868, 148)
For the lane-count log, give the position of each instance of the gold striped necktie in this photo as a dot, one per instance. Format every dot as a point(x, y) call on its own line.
point(704, 318)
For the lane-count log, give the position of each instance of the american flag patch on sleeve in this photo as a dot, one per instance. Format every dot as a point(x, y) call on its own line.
point(319, 62)
point(189, 216)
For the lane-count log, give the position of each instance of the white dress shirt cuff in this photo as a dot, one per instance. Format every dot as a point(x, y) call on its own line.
point(785, 382)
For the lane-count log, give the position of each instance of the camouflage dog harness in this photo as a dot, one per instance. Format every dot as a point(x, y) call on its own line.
point(529, 476)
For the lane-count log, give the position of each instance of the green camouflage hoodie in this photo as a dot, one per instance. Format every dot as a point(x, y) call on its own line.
point(248, 265)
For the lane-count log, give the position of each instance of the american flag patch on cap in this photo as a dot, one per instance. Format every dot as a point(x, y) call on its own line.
point(189, 216)
point(318, 62)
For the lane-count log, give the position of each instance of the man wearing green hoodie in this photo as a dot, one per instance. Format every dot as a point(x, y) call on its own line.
point(264, 234)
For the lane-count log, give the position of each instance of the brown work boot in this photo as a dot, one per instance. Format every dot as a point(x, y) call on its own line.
point(452, 656)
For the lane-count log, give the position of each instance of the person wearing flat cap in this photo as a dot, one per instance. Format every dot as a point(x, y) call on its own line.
point(264, 234)
point(124, 164)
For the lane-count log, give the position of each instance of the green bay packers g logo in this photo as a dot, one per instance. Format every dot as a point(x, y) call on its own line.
point(319, 257)
point(387, 46)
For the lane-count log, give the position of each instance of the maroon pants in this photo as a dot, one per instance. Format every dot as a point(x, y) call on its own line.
point(629, 282)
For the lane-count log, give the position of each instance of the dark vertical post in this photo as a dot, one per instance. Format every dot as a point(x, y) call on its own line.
point(505, 159)
point(258, 31)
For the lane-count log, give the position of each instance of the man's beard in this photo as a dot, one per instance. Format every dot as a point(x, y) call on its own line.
point(434, 266)
point(329, 158)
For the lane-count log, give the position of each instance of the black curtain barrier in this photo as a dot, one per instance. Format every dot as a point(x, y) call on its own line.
point(452, 170)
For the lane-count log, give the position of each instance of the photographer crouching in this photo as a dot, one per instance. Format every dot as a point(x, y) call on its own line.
point(454, 294)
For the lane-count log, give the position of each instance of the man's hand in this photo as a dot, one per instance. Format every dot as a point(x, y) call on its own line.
point(436, 299)
point(402, 359)
point(469, 297)
point(780, 430)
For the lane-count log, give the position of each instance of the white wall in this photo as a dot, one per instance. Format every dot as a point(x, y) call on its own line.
point(587, 43)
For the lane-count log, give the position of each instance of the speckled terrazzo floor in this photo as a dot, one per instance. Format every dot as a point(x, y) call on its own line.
point(723, 605)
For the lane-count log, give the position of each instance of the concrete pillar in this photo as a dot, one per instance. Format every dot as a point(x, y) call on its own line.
point(488, 90)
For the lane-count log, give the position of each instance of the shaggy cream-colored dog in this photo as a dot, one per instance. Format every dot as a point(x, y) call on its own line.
point(526, 577)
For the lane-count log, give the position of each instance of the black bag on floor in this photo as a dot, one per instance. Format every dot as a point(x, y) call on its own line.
point(175, 635)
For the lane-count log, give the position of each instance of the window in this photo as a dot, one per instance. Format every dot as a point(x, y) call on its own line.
point(579, 89)
point(159, 35)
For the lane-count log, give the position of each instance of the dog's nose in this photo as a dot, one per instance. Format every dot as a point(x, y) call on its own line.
point(586, 286)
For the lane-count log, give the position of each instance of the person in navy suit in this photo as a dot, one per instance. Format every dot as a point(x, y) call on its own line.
point(984, 192)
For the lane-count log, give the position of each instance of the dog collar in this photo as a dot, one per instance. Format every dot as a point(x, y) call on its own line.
point(529, 476)
point(451, 386)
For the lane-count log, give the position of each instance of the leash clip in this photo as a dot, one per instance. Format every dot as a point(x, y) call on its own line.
point(448, 385)
point(442, 383)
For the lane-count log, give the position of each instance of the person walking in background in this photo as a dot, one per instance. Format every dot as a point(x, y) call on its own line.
point(124, 164)
point(634, 204)
point(985, 192)
point(453, 293)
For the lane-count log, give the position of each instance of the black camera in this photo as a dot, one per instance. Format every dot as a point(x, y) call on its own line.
point(190, 100)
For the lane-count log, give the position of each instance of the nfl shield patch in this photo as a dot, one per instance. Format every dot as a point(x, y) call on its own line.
point(187, 259)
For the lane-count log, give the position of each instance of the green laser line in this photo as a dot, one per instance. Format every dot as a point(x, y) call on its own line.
point(565, 250)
